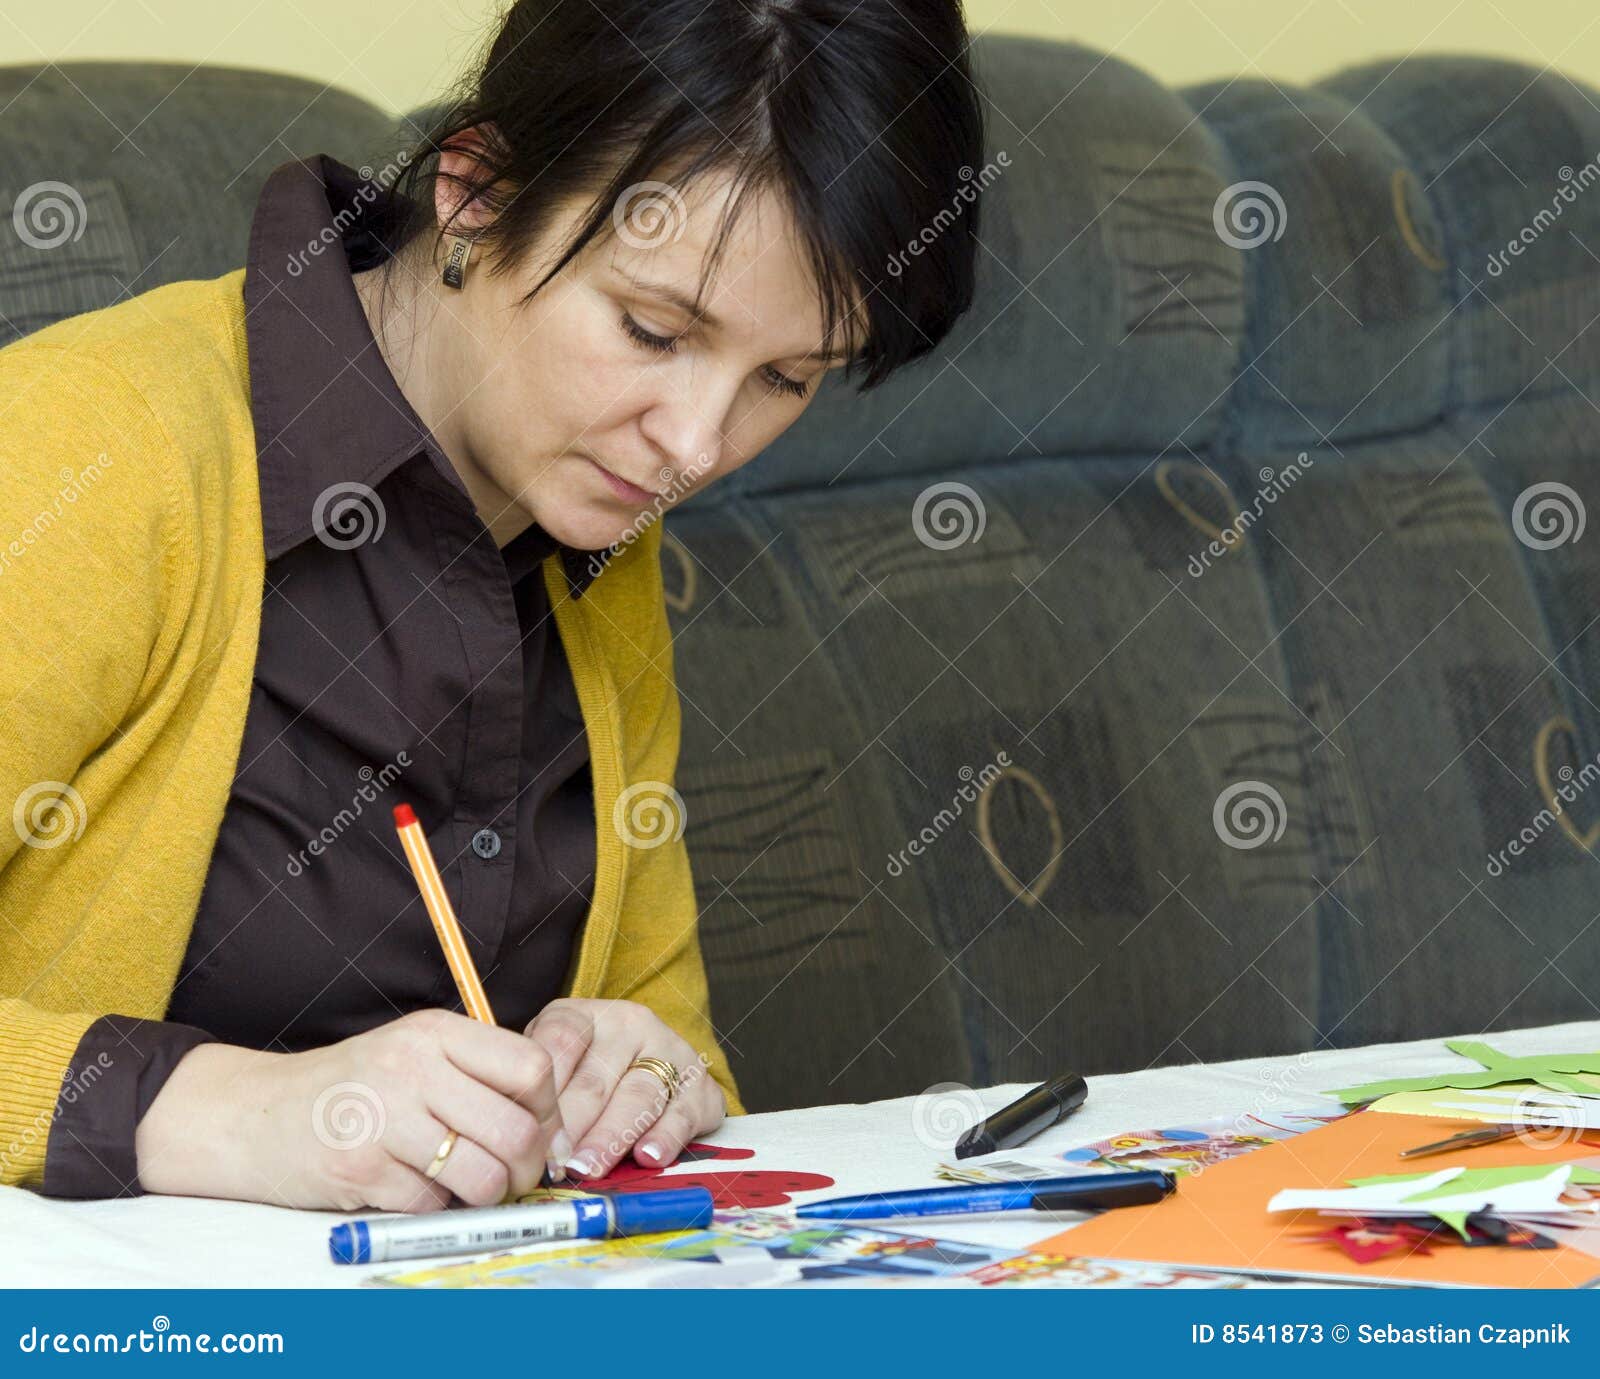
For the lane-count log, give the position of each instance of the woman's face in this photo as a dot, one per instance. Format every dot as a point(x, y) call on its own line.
point(604, 373)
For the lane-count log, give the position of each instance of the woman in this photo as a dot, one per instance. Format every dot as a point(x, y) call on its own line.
point(294, 541)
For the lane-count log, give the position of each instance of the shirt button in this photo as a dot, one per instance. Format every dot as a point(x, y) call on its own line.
point(486, 842)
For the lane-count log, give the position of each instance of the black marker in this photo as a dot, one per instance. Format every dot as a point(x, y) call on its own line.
point(1044, 1106)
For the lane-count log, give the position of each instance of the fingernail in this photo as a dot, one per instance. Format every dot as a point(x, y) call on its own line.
point(582, 1164)
point(561, 1146)
point(651, 1152)
point(555, 1171)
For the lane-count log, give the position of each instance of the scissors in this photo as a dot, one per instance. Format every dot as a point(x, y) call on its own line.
point(1467, 1139)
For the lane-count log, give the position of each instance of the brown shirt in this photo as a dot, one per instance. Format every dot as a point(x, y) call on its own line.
point(403, 656)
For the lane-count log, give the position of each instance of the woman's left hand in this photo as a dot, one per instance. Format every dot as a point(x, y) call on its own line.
point(609, 1109)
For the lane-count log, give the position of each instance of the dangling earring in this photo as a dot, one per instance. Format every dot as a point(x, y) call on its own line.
point(455, 264)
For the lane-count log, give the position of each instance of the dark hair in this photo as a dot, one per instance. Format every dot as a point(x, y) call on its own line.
point(861, 115)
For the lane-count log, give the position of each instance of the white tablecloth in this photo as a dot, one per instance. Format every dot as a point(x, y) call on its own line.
point(195, 1242)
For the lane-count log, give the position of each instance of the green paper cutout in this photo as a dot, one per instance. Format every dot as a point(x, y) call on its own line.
point(1552, 1070)
point(1468, 1180)
point(1475, 1180)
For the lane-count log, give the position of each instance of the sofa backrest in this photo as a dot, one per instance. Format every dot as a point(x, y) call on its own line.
point(1231, 572)
point(1192, 659)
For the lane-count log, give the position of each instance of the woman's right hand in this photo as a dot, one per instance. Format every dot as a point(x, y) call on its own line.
point(355, 1124)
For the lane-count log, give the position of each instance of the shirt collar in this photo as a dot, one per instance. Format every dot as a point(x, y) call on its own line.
point(326, 409)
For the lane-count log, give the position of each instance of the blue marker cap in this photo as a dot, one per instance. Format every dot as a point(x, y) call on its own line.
point(349, 1243)
point(644, 1213)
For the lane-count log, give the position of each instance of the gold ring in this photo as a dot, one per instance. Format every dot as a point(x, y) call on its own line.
point(661, 1069)
point(434, 1169)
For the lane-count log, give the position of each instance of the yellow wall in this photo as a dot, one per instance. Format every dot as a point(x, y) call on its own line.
point(399, 52)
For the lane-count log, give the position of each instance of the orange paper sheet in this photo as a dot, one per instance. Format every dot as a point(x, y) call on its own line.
point(1219, 1217)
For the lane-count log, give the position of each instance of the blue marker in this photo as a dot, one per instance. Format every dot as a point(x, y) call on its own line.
point(1085, 1192)
point(499, 1228)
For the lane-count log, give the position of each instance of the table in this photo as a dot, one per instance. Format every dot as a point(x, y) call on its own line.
point(195, 1242)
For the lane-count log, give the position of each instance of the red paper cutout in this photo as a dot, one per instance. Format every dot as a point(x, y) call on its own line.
point(754, 1187)
point(1366, 1241)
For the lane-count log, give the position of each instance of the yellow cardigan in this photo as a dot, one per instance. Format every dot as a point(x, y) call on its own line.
point(131, 570)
